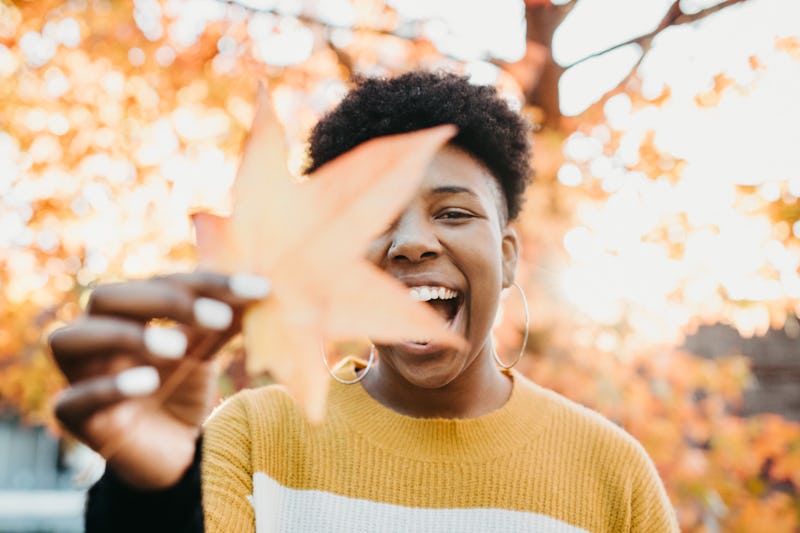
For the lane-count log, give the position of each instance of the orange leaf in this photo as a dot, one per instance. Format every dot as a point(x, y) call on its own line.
point(211, 230)
point(309, 239)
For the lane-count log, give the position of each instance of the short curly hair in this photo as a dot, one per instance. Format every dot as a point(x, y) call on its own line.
point(488, 128)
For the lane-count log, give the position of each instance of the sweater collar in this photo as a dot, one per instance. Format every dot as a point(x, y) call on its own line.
point(520, 419)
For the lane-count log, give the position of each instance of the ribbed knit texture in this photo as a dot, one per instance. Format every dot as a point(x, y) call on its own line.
point(539, 463)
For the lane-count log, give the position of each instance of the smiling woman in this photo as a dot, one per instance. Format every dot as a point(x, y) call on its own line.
point(452, 235)
point(428, 438)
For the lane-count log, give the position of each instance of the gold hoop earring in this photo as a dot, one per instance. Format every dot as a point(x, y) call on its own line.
point(359, 377)
point(497, 360)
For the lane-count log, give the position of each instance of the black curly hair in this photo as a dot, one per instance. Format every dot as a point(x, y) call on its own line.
point(487, 128)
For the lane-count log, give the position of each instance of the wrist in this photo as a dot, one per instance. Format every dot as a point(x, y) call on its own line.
point(156, 470)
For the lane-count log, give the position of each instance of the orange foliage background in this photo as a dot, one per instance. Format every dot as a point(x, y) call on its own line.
point(110, 136)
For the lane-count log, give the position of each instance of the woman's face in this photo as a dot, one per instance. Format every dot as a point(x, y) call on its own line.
point(451, 247)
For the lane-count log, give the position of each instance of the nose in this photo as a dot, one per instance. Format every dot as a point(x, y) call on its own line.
point(413, 239)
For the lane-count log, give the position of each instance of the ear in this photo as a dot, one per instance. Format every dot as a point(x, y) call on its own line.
point(510, 249)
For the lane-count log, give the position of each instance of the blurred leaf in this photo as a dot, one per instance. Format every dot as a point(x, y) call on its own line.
point(309, 240)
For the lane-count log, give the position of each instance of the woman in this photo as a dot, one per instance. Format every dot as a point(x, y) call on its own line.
point(426, 439)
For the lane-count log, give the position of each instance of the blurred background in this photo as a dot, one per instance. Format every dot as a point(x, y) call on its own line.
point(661, 236)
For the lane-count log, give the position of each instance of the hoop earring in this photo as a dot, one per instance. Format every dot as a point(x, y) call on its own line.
point(497, 360)
point(359, 377)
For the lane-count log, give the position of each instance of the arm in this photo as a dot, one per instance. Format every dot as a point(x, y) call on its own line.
point(113, 505)
point(123, 402)
point(222, 455)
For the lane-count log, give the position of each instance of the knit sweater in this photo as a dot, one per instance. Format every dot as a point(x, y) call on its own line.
point(539, 463)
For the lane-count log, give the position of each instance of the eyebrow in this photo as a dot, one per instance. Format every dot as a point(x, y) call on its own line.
point(453, 189)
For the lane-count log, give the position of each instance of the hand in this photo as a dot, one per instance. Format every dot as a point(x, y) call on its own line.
point(139, 392)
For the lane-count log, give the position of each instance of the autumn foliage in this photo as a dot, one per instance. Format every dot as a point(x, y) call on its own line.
point(120, 119)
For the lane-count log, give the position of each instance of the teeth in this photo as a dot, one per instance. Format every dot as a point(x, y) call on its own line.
point(424, 294)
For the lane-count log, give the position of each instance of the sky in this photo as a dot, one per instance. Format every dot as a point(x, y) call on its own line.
point(686, 55)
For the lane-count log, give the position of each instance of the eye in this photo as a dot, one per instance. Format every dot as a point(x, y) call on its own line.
point(454, 214)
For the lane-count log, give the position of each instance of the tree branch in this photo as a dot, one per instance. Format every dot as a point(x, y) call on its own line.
point(342, 57)
point(673, 17)
point(314, 21)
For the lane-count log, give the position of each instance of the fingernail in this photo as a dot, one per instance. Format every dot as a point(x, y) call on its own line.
point(139, 381)
point(169, 343)
point(213, 314)
point(249, 286)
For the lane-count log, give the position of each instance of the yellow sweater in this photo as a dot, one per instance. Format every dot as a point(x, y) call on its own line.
point(540, 463)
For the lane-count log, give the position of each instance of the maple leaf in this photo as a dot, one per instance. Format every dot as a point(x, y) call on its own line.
point(309, 239)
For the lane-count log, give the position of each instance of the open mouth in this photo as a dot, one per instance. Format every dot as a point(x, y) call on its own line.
point(444, 301)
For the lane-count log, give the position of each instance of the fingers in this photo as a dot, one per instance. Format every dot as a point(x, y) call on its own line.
point(101, 335)
point(96, 335)
point(157, 298)
point(105, 345)
point(200, 298)
point(115, 335)
point(238, 289)
point(82, 400)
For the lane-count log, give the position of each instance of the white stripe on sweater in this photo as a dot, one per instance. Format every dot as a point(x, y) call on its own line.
point(282, 509)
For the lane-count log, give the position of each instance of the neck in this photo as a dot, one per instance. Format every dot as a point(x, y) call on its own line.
point(478, 390)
